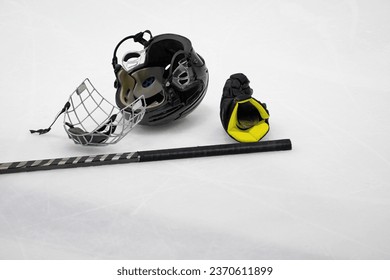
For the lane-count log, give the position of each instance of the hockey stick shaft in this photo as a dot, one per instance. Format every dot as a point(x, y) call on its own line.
point(141, 156)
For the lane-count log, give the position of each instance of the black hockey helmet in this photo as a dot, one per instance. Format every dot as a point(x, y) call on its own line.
point(168, 72)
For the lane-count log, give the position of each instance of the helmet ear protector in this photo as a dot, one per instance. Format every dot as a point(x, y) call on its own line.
point(243, 117)
point(131, 84)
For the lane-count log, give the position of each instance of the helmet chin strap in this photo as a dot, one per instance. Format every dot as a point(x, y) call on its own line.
point(138, 38)
point(46, 130)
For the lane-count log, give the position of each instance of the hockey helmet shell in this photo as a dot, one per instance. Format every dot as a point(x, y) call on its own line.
point(168, 72)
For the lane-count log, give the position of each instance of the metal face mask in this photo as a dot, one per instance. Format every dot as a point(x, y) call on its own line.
point(89, 119)
point(92, 120)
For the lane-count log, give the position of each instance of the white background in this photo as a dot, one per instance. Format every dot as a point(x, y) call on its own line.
point(323, 69)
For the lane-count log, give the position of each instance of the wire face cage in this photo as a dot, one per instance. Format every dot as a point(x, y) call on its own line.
point(92, 120)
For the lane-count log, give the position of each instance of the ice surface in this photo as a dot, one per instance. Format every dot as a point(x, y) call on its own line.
point(322, 67)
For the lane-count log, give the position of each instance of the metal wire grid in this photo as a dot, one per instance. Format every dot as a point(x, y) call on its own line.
point(96, 120)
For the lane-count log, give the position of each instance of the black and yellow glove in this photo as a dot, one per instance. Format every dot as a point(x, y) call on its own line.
point(243, 117)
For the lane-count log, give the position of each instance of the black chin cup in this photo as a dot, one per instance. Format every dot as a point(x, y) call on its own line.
point(98, 136)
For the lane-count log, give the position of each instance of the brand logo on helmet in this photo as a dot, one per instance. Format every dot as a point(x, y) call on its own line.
point(148, 82)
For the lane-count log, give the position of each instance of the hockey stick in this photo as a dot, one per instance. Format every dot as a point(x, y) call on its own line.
point(141, 156)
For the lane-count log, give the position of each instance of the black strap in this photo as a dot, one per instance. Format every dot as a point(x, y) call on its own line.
point(139, 37)
point(46, 130)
